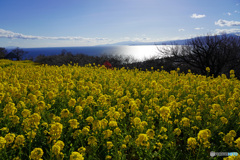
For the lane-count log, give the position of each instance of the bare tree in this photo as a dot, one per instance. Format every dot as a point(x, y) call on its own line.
point(219, 52)
point(19, 53)
point(3, 52)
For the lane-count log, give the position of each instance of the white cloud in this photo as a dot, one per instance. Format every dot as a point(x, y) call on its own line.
point(222, 23)
point(236, 11)
point(198, 15)
point(228, 31)
point(199, 28)
point(229, 14)
point(13, 35)
point(181, 30)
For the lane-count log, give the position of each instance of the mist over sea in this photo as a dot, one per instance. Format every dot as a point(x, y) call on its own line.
point(138, 52)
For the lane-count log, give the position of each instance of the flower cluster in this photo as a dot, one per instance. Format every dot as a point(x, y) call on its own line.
point(93, 112)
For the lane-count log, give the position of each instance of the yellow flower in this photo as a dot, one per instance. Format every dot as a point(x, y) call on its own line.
point(76, 133)
point(117, 131)
point(142, 139)
point(198, 118)
point(190, 102)
point(164, 113)
point(192, 143)
point(41, 105)
point(220, 133)
point(4, 129)
point(195, 128)
point(153, 84)
point(90, 119)
point(45, 124)
point(35, 119)
point(123, 146)
point(216, 107)
point(232, 72)
point(109, 145)
point(90, 99)
point(19, 141)
point(107, 133)
point(104, 123)
point(136, 121)
point(76, 156)
point(50, 95)
point(229, 138)
point(185, 122)
point(237, 141)
point(57, 118)
point(233, 157)
point(82, 150)
point(203, 135)
point(56, 130)
point(92, 141)
point(99, 114)
point(113, 124)
point(232, 133)
point(108, 157)
point(9, 109)
point(116, 115)
point(207, 69)
point(9, 138)
point(78, 109)
point(150, 133)
point(159, 146)
point(16, 158)
point(2, 142)
point(64, 113)
point(14, 119)
point(163, 137)
point(206, 144)
point(73, 123)
point(85, 130)
point(71, 102)
point(56, 149)
point(224, 120)
point(60, 144)
point(177, 131)
point(176, 121)
point(31, 135)
point(36, 154)
point(127, 139)
point(163, 129)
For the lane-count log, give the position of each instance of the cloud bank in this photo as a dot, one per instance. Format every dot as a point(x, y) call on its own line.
point(198, 28)
point(222, 23)
point(228, 31)
point(198, 15)
point(13, 35)
point(181, 30)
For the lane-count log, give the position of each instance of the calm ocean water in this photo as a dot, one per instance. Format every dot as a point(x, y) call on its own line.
point(139, 53)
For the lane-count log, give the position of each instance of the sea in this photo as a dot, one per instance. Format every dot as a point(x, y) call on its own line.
point(136, 52)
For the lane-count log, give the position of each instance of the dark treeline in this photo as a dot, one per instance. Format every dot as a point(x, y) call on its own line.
point(16, 53)
point(81, 59)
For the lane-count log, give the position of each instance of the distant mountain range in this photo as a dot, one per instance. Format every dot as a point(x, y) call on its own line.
point(178, 42)
point(135, 43)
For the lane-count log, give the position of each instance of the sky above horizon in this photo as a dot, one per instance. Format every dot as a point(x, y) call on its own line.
point(63, 23)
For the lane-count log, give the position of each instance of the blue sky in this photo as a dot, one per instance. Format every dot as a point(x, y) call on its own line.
point(55, 23)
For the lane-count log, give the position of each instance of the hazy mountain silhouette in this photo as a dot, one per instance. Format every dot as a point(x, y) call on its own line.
point(170, 42)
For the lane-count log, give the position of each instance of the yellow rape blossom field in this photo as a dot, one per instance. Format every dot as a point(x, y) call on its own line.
point(76, 113)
